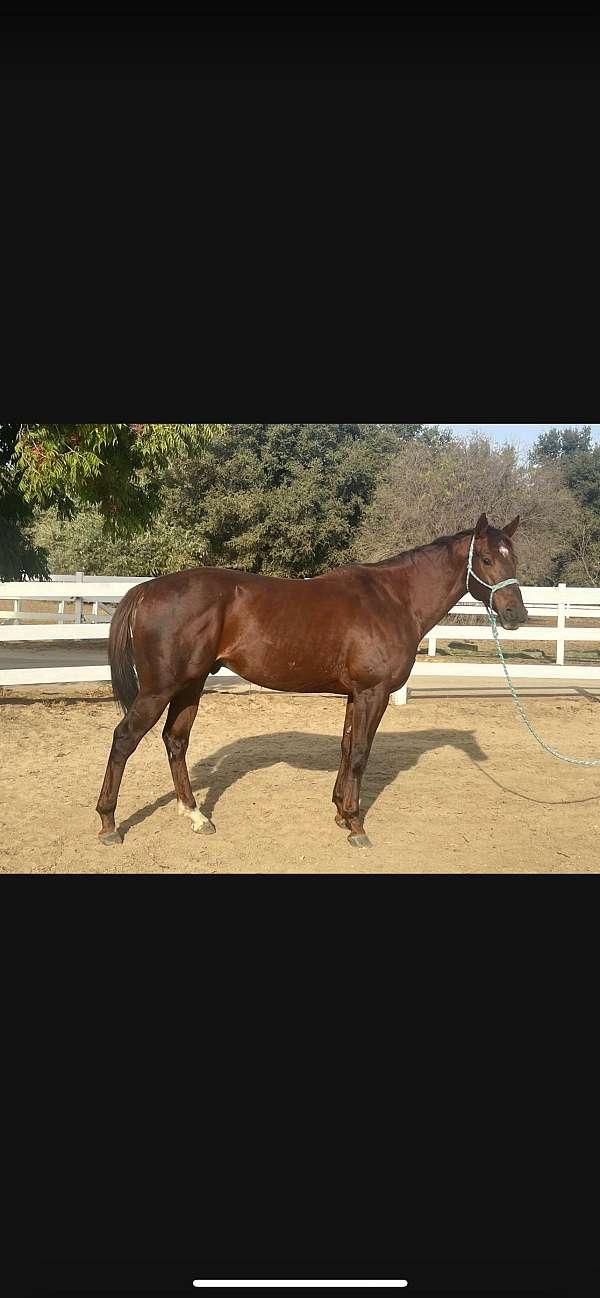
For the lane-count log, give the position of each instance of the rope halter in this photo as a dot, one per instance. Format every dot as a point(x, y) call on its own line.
point(511, 581)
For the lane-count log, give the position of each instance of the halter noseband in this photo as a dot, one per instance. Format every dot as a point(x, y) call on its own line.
point(511, 581)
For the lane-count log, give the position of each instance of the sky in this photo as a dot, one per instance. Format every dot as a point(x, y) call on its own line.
point(523, 435)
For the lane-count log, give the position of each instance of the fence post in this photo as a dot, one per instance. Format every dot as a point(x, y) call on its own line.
point(401, 696)
point(16, 611)
point(561, 624)
point(432, 650)
point(78, 602)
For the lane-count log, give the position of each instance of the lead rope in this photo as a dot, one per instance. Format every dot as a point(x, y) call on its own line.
point(512, 581)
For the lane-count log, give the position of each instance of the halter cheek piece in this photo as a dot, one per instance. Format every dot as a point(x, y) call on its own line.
point(511, 581)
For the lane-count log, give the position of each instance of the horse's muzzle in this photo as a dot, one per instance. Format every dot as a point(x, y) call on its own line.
point(513, 618)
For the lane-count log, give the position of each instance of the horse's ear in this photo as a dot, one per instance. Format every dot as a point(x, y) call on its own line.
point(482, 525)
point(511, 528)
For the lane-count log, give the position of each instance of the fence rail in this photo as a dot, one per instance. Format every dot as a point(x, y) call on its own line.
point(562, 603)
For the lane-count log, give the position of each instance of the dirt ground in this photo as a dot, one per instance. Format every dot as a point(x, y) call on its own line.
point(455, 784)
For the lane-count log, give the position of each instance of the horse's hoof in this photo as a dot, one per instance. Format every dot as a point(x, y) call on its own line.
point(205, 827)
point(360, 840)
point(342, 822)
point(112, 839)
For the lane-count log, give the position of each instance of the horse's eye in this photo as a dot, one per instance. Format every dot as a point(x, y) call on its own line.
point(488, 563)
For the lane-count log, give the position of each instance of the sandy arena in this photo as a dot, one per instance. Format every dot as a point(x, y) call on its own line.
point(455, 784)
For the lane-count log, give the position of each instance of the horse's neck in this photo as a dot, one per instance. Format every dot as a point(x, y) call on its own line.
point(440, 580)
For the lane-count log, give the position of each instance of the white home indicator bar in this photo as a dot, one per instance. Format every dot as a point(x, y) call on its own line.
point(300, 1284)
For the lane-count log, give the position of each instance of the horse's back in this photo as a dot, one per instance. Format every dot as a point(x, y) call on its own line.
point(197, 582)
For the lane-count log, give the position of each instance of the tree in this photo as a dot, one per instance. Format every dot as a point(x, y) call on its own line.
point(82, 542)
point(571, 452)
point(579, 461)
point(278, 498)
point(396, 434)
point(285, 499)
point(274, 498)
point(428, 493)
point(583, 566)
point(558, 443)
point(117, 467)
point(19, 557)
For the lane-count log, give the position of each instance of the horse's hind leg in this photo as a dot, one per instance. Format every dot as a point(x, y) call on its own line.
point(142, 715)
point(340, 784)
point(176, 735)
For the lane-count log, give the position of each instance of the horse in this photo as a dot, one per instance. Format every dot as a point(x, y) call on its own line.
point(354, 632)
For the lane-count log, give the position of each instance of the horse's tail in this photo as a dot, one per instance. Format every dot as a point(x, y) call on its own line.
point(120, 649)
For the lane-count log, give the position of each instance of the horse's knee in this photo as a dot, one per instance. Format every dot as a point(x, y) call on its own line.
point(176, 747)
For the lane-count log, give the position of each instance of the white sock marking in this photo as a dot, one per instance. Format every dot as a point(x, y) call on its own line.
point(196, 817)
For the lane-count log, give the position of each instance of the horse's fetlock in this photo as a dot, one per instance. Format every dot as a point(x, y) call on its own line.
point(105, 808)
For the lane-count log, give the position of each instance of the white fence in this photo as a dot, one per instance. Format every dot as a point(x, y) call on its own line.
point(562, 604)
point(65, 589)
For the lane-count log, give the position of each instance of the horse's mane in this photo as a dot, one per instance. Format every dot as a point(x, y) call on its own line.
point(408, 555)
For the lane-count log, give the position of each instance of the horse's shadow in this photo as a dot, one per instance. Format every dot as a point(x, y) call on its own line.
point(391, 756)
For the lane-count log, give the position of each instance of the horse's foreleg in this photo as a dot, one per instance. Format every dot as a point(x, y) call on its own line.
point(369, 707)
point(176, 735)
point(142, 715)
point(340, 784)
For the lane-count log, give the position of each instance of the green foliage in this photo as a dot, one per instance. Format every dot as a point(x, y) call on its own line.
point(117, 467)
point(558, 443)
point(279, 498)
point(298, 499)
point(82, 543)
point(424, 495)
point(276, 498)
point(396, 435)
point(572, 452)
point(20, 559)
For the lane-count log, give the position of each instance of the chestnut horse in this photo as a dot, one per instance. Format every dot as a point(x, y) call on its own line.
point(354, 632)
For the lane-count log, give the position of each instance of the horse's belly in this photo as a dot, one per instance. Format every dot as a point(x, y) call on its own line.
point(294, 676)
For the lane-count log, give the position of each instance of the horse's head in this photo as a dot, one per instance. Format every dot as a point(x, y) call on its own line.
point(494, 561)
